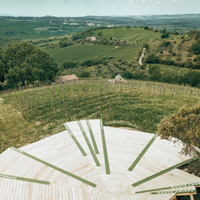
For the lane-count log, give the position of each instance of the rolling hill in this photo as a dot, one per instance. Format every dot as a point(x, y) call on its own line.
point(85, 52)
point(130, 34)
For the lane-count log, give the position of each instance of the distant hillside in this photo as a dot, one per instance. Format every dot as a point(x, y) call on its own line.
point(130, 34)
point(85, 52)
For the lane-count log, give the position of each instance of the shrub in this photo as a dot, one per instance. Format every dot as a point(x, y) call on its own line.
point(84, 74)
point(197, 59)
point(173, 54)
point(189, 55)
point(166, 44)
point(128, 75)
point(178, 58)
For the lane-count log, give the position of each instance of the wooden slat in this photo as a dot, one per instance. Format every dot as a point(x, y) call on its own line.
point(92, 137)
point(75, 140)
point(54, 167)
point(172, 187)
point(142, 153)
point(164, 171)
point(104, 148)
point(24, 179)
point(89, 145)
point(175, 191)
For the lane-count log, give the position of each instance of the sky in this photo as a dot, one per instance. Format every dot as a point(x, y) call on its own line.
point(75, 8)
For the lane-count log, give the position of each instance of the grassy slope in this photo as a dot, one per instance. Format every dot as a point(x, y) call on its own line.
point(149, 103)
point(85, 52)
point(130, 34)
point(14, 129)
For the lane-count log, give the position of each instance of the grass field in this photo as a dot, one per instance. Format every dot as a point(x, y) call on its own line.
point(86, 52)
point(30, 114)
point(130, 34)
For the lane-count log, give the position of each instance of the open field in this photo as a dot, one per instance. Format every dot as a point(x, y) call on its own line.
point(130, 34)
point(29, 114)
point(85, 52)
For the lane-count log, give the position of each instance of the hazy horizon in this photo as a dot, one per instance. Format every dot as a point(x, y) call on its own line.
point(81, 8)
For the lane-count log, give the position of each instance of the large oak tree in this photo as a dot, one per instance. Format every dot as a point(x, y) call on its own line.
point(24, 63)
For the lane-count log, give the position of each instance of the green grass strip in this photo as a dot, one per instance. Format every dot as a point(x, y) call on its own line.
point(177, 192)
point(75, 140)
point(54, 167)
point(104, 148)
point(164, 171)
point(92, 137)
point(167, 188)
point(142, 153)
point(89, 145)
point(24, 179)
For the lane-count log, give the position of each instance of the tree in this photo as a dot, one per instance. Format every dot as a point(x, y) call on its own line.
point(152, 58)
point(154, 72)
point(99, 33)
point(165, 35)
point(84, 74)
point(197, 59)
point(164, 30)
point(196, 47)
point(146, 45)
point(128, 75)
point(25, 63)
point(185, 126)
point(65, 42)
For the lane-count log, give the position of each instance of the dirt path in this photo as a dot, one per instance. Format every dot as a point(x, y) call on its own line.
point(140, 60)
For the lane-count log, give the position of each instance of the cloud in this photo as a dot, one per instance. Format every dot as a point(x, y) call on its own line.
point(138, 0)
point(159, 3)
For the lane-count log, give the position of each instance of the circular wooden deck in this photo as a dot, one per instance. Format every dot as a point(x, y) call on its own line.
point(90, 161)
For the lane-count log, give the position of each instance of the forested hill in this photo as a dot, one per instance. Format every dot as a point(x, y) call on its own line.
point(15, 29)
point(18, 28)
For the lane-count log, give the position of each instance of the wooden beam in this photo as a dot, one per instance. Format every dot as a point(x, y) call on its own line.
point(173, 198)
point(182, 194)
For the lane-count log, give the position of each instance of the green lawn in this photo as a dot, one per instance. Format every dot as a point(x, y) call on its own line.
point(85, 52)
point(130, 34)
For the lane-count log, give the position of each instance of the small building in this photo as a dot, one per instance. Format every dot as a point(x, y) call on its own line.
point(93, 38)
point(68, 79)
point(119, 79)
point(90, 24)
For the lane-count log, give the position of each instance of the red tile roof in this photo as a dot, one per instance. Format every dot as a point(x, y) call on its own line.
point(69, 77)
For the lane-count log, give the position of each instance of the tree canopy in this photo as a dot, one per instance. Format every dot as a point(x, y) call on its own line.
point(196, 47)
point(24, 63)
point(185, 126)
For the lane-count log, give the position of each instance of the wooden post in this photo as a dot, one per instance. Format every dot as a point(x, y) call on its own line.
point(78, 110)
point(66, 113)
point(37, 111)
point(50, 120)
point(31, 106)
point(191, 197)
point(174, 97)
point(42, 119)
